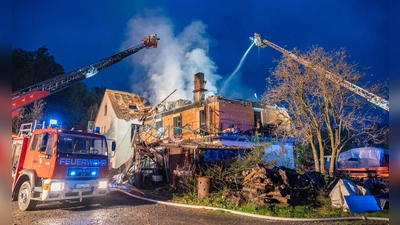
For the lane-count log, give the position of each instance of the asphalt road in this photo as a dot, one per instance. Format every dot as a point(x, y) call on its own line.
point(118, 208)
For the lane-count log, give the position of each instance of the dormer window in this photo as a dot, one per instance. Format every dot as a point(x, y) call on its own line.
point(133, 107)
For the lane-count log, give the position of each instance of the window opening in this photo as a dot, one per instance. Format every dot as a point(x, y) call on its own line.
point(177, 125)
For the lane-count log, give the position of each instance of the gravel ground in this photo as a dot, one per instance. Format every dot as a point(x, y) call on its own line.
point(118, 208)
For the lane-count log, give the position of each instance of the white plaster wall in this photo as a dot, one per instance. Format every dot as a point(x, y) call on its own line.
point(110, 122)
point(124, 150)
point(105, 120)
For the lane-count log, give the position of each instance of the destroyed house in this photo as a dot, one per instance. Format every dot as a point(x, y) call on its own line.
point(118, 114)
point(210, 127)
point(214, 115)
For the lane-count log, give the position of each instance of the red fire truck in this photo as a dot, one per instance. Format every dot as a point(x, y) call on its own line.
point(50, 164)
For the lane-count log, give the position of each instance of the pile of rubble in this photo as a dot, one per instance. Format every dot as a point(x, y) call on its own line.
point(263, 185)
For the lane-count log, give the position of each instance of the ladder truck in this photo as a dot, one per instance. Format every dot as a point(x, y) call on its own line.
point(40, 90)
point(371, 97)
point(51, 163)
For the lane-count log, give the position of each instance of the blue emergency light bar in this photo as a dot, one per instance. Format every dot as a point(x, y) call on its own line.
point(53, 122)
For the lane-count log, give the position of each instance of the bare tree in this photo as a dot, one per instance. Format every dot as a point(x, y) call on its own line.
point(316, 104)
point(29, 114)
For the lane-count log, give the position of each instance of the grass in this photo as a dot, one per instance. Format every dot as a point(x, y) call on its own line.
point(188, 195)
point(323, 210)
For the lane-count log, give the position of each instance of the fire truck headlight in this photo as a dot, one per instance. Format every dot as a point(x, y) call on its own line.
point(102, 184)
point(57, 186)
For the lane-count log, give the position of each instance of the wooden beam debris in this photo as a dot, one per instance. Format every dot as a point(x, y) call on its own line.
point(266, 185)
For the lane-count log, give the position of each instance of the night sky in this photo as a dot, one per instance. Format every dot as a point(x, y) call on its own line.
point(206, 36)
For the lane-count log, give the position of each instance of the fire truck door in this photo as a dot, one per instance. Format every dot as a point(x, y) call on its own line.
point(31, 153)
point(15, 156)
point(42, 163)
point(17, 146)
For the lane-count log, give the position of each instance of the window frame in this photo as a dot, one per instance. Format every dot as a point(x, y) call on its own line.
point(177, 125)
point(34, 142)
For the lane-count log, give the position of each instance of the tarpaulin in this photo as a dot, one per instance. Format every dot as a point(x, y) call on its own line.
point(366, 157)
point(344, 188)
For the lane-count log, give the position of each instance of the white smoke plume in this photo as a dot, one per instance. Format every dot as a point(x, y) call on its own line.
point(172, 65)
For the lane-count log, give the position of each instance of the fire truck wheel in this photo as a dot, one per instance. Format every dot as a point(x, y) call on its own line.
point(86, 201)
point(25, 203)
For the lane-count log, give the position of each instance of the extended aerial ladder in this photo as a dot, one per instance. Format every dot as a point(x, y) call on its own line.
point(40, 90)
point(371, 97)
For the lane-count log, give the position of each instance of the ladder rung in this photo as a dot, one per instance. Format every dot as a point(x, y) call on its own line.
point(27, 128)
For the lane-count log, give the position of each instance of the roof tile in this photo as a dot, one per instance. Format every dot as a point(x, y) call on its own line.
point(127, 106)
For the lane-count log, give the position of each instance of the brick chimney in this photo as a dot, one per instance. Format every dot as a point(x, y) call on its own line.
point(199, 91)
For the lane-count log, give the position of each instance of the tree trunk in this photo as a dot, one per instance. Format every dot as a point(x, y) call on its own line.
point(321, 153)
point(315, 155)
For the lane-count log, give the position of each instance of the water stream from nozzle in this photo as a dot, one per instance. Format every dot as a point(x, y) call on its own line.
point(222, 91)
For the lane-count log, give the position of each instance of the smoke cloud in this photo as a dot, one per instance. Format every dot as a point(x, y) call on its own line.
point(172, 65)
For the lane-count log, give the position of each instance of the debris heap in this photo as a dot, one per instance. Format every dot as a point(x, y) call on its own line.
point(263, 185)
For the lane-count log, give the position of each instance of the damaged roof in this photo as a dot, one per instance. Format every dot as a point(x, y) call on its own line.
point(212, 143)
point(128, 106)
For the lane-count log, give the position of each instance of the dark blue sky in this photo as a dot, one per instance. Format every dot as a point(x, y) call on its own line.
point(78, 33)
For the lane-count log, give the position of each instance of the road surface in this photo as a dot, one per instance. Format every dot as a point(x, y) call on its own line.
point(118, 208)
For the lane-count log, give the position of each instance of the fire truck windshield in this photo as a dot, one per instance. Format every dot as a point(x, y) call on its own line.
point(81, 144)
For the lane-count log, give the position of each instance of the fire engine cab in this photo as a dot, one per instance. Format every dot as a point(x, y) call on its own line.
point(50, 163)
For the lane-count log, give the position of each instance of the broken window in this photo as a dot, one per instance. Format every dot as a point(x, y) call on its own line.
point(177, 125)
point(158, 124)
point(202, 116)
point(132, 107)
point(257, 119)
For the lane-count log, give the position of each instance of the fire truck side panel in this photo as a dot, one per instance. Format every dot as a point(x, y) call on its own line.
point(19, 153)
point(29, 157)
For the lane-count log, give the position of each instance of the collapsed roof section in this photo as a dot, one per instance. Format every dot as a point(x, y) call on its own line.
point(273, 115)
point(128, 106)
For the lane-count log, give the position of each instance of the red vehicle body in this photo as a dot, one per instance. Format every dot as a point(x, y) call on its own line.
point(55, 164)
